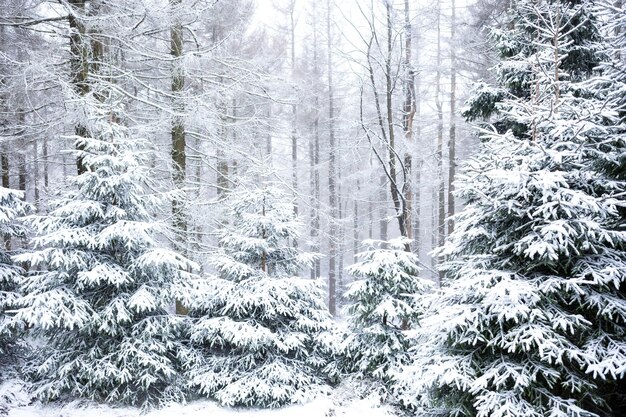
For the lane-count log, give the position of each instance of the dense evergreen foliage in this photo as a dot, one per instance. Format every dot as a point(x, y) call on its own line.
point(101, 287)
point(532, 320)
point(11, 207)
point(383, 305)
point(524, 41)
point(258, 324)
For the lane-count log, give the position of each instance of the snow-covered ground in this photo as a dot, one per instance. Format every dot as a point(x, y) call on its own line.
point(14, 402)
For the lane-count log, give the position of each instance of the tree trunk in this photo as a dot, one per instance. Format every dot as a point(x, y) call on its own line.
point(21, 173)
point(4, 153)
point(294, 109)
point(355, 223)
point(332, 186)
point(179, 159)
point(383, 226)
point(46, 175)
point(315, 204)
point(197, 227)
point(4, 162)
point(79, 65)
point(440, 230)
point(370, 219)
point(407, 122)
point(21, 154)
point(37, 195)
point(452, 140)
point(419, 159)
point(268, 138)
point(315, 158)
point(396, 192)
point(222, 163)
point(341, 238)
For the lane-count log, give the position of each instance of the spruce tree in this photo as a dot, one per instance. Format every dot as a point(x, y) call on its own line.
point(606, 150)
point(258, 325)
point(12, 206)
point(101, 285)
point(532, 319)
point(384, 304)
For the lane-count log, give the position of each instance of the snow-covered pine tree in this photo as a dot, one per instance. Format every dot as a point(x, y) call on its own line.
point(517, 41)
point(607, 150)
point(532, 319)
point(383, 304)
point(101, 285)
point(12, 206)
point(258, 324)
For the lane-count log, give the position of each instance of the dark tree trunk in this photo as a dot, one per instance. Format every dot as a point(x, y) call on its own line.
point(79, 65)
point(179, 158)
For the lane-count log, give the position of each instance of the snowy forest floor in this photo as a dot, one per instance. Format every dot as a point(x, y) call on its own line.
point(15, 402)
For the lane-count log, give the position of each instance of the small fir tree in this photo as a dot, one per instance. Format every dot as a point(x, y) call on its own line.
point(259, 325)
point(101, 286)
point(12, 206)
point(532, 320)
point(383, 304)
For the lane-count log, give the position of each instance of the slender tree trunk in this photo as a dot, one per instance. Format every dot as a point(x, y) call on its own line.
point(96, 46)
point(294, 109)
point(21, 173)
point(315, 157)
point(179, 159)
point(36, 175)
point(268, 138)
point(312, 228)
point(223, 173)
point(4, 156)
point(407, 122)
point(332, 185)
point(441, 204)
point(21, 155)
point(316, 204)
point(197, 227)
point(355, 223)
point(383, 226)
point(452, 139)
point(419, 158)
point(264, 266)
point(370, 219)
point(342, 238)
point(317, 194)
point(396, 192)
point(46, 175)
point(4, 162)
point(79, 65)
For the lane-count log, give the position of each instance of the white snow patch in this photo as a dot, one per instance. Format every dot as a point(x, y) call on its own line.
point(321, 407)
point(12, 395)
